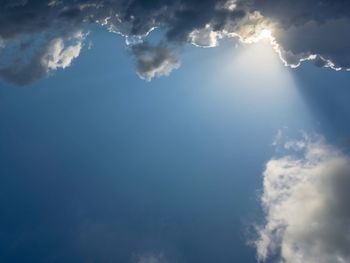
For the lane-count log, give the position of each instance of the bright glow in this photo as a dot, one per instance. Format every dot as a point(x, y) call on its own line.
point(263, 85)
point(262, 59)
point(265, 33)
point(258, 35)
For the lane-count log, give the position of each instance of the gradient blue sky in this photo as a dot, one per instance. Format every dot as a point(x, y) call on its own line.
point(98, 165)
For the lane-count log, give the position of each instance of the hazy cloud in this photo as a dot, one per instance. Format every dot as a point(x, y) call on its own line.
point(306, 202)
point(151, 258)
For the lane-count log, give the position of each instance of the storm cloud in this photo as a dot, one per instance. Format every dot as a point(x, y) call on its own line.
point(301, 30)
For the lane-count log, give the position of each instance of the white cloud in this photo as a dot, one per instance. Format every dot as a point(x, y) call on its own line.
point(306, 201)
point(61, 55)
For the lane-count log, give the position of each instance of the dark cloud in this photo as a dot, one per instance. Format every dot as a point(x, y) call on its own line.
point(153, 61)
point(305, 29)
point(58, 18)
point(299, 12)
point(302, 29)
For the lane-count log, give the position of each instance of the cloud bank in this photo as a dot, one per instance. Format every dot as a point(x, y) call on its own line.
point(306, 202)
point(31, 31)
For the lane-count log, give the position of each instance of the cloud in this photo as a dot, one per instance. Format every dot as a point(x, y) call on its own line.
point(154, 61)
point(2, 44)
point(328, 42)
point(204, 37)
point(151, 258)
point(60, 55)
point(26, 61)
point(310, 30)
point(301, 30)
point(306, 202)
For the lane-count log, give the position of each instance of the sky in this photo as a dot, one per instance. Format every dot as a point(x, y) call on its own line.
point(174, 131)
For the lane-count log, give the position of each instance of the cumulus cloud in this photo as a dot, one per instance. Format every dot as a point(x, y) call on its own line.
point(60, 55)
point(154, 61)
point(306, 202)
point(301, 30)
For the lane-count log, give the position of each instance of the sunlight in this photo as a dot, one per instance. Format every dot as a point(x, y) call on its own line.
point(255, 74)
point(262, 59)
point(257, 35)
point(265, 33)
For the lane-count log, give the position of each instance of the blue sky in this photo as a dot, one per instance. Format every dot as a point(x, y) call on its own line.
point(101, 166)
